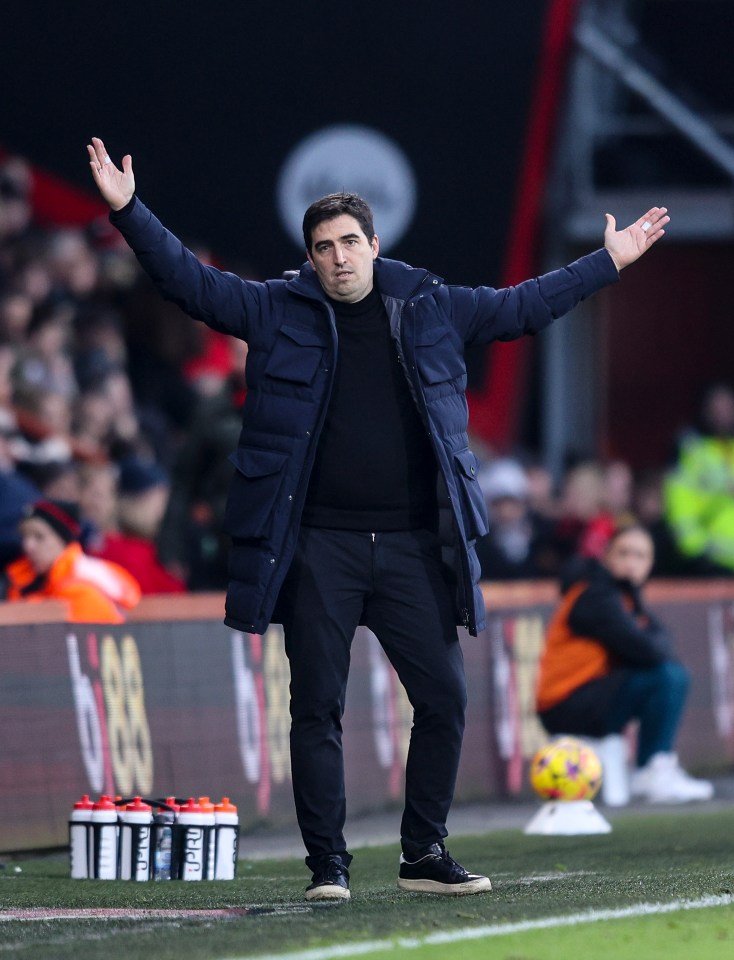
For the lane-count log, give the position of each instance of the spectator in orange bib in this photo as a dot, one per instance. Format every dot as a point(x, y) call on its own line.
point(608, 660)
point(54, 567)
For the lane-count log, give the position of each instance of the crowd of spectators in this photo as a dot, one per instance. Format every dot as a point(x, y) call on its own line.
point(536, 528)
point(687, 506)
point(112, 400)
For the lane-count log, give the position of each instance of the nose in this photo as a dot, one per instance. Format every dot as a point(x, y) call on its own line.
point(339, 257)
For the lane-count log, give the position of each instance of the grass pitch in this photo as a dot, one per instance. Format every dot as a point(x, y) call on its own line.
point(653, 859)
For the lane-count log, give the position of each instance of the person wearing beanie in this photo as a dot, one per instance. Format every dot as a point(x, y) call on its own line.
point(54, 567)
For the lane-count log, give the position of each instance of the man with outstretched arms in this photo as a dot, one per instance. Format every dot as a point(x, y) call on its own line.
point(355, 499)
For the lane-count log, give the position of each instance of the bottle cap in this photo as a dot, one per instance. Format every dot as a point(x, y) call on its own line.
point(104, 803)
point(137, 805)
point(191, 806)
point(206, 805)
point(171, 803)
point(224, 806)
point(84, 804)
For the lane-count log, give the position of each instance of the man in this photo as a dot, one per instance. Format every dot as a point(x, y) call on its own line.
point(355, 497)
point(608, 660)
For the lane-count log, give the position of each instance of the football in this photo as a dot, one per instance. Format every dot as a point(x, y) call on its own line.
point(566, 769)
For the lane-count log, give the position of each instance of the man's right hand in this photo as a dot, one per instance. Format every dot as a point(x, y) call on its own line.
point(116, 186)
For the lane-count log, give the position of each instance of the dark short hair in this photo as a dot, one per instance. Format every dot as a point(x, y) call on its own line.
point(334, 205)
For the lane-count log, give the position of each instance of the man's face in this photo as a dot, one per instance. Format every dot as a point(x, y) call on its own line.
point(41, 544)
point(630, 557)
point(342, 257)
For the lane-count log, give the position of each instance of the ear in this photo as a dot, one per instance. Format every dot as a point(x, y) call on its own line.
point(309, 257)
point(375, 244)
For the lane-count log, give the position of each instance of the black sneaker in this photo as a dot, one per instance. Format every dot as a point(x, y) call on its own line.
point(330, 881)
point(437, 872)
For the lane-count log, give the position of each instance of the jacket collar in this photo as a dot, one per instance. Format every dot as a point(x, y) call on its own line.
point(22, 573)
point(394, 278)
point(594, 572)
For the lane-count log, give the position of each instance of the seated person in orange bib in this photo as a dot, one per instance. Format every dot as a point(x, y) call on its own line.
point(608, 660)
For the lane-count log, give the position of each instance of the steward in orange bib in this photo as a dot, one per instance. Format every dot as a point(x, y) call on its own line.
point(54, 567)
point(608, 660)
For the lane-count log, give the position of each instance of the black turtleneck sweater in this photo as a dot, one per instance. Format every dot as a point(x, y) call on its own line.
point(375, 468)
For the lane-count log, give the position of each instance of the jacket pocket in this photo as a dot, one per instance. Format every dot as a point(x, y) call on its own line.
point(473, 510)
point(296, 354)
point(253, 493)
point(436, 355)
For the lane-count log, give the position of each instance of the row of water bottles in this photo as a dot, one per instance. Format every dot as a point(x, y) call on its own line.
point(166, 839)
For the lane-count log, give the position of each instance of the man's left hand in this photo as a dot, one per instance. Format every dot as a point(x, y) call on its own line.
point(626, 246)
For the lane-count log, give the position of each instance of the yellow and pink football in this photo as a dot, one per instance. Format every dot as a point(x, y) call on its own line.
point(566, 769)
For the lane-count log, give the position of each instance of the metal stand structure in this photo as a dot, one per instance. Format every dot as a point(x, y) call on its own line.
point(617, 99)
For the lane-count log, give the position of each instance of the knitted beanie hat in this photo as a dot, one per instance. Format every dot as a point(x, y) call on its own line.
point(61, 516)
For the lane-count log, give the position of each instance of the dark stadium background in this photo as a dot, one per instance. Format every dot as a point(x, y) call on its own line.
point(211, 99)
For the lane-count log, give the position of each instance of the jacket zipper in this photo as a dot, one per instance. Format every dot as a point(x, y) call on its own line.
point(420, 402)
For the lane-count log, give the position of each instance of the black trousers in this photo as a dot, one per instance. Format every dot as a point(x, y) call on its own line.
point(392, 583)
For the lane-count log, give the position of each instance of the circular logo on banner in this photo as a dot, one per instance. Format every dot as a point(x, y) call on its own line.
point(355, 159)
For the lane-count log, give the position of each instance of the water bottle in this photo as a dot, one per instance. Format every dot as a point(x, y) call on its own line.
point(228, 833)
point(103, 863)
point(136, 818)
point(79, 832)
point(163, 865)
point(210, 837)
point(191, 825)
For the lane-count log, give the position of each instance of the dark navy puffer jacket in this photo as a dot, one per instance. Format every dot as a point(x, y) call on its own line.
point(293, 350)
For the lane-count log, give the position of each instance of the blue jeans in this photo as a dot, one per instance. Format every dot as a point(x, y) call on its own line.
point(656, 697)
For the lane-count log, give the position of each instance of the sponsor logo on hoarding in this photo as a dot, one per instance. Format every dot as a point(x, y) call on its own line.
point(721, 640)
point(261, 678)
point(261, 688)
point(517, 643)
point(110, 712)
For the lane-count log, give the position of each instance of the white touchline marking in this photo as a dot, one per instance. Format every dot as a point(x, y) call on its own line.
point(556, 875)
point(497, 930)
point(46, 914)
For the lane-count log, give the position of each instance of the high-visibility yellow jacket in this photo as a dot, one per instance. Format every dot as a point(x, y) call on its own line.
point(699, 500)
